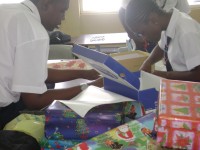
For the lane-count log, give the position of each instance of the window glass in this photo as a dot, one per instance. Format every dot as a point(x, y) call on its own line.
point(194, 2)
point(10, 1)
point(103, 6)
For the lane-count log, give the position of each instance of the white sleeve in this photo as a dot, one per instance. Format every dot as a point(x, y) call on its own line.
point(30, 67)
point(31, 47)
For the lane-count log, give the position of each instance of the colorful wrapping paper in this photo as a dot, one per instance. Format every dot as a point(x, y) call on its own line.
point(31, 124)
point(134, 135)
point(130, 136)
point(57, 144)
point(178, 122)
point(64, 124)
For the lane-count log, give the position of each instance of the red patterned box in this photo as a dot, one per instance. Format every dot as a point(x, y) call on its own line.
point(69, 64)
point(178, 122)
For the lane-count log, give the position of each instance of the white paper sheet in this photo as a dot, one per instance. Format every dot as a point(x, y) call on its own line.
point(91, 97)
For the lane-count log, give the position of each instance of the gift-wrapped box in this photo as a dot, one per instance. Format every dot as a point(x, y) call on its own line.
point(48, 144)
point(178, 122)
point(90, 113)
point(134, 135)
point(75, 64)
point(63, 123)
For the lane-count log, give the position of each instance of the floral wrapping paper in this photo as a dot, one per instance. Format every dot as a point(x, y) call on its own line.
point(178, 122)
point(76, 64)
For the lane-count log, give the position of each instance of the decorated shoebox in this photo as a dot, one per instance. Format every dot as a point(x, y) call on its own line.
point(178, 122)
point(92, 112)
point(140, 86)
point(133, 135)
point(136, 58)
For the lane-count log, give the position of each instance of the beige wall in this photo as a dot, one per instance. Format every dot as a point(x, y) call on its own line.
point(195, 13)
point(76, 24)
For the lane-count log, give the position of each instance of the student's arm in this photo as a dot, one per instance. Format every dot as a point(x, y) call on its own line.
point(193, 75)
point(155, 56)
point(39, 101)
point(56, 75)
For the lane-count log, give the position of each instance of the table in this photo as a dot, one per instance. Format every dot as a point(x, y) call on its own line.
point(102, 39)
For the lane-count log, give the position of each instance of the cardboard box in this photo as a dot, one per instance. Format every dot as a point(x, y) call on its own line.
point(132, 60)
point(179, 115)
point(140, 86)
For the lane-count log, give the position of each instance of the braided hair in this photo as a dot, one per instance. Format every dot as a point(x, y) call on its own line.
point(138, 11)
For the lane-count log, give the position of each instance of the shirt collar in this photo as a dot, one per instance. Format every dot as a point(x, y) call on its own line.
point(32, 8)
point(170, 32)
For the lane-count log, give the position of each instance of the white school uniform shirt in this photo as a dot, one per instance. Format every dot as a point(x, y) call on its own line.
point(24, 48)
point(184, 48)
point(168, 5)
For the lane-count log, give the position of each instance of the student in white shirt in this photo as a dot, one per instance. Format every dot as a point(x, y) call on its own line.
point(168, 5)
point(177, 34)
point(24, 48)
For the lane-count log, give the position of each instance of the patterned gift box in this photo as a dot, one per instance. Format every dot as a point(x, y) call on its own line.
point(76, 64)
point(134, 135)
point(64, 124)
point(178, 122)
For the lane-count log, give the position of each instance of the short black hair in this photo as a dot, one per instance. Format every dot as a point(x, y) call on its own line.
point(138, 11)
point(16, 140)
